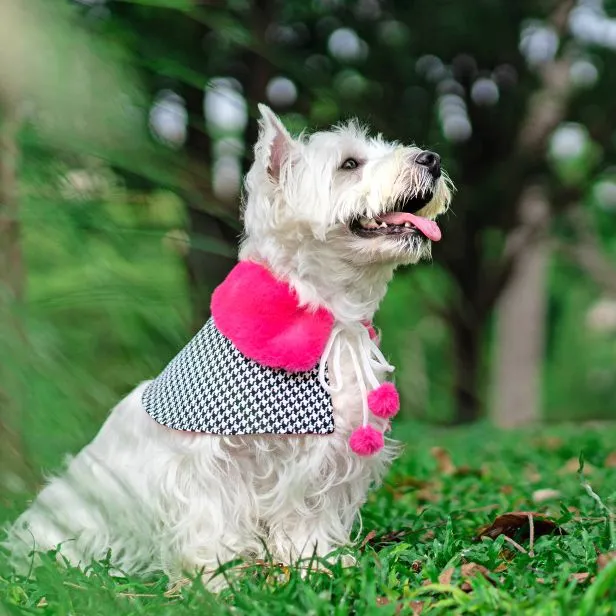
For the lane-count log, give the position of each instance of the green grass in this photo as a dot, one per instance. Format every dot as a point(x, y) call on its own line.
point(423, 521)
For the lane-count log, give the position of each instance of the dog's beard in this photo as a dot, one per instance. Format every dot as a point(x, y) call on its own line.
point(402, 232)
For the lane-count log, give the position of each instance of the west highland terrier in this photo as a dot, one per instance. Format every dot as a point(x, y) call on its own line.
point(263, 436)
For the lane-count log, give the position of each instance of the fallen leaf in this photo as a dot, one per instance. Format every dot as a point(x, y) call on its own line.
point(417, 566)
point(580, 578)
point(500, 568)
point(610, 461)
point(446, 576)
point(545, 494)
point(468, 571)
point(386, 538)
point(472, 570)
point(406, 482)
point(465, 471)
point(516, 523)
point(416, 607)
point(603, 560)
point(573, 465)
point(506, 490)
point(42, 602)
point(367, 539)
point(443, 460)
point(400, 486)
point(429, 494)
point(550, 443)
point(382, 601)
point(174, 590)
point(428, 536)
point(531, 473)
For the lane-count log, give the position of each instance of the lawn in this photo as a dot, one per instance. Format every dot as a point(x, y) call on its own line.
point(418, 549)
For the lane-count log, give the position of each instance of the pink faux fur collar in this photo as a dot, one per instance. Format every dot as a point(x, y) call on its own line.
point(261, 316)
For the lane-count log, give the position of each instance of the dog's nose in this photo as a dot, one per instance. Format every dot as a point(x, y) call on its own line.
point(431, 160)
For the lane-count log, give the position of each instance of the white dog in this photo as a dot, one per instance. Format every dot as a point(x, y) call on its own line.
point(272, 451)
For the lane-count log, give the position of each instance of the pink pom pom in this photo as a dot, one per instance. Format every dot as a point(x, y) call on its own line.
point(366, 441)
point(384, 401)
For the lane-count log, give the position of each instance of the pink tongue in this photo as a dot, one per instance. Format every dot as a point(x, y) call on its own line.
point(428, 227)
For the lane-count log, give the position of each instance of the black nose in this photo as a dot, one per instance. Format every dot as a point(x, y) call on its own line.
point(431, 160)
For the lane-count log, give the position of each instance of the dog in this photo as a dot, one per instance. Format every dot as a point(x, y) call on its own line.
point(263, 437)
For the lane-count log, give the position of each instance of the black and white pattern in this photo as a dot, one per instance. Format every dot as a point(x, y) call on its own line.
point(211, 387)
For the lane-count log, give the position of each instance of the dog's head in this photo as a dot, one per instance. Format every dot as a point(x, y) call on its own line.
point(374, 201)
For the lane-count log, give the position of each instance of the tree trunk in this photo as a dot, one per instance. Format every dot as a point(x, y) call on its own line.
point(467, 344)
point(520, 330)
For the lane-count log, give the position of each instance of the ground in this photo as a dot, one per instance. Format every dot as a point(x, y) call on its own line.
point(418, 550)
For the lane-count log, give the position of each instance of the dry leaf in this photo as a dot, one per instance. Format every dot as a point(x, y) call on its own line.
point(416, 607)
point(367, 539)
point(429, 494)
point(517, 522)
point(545, 494)
point(382, 601)
point(174, 590)
point(603, 560)
point(573, 465)
point(465, 471)
point(400, 486)
point(610, 461)
point(471, 570)
point(391, 536)
point(506, 490)
point(468, 571)
point(406, 482)
point(531, 473)
point(443, 460)
point(580, 578)
point(550, 443)
point(427, 536)
point(446, 576)
point(42, 602)
point(417, 566)
point(502, 567)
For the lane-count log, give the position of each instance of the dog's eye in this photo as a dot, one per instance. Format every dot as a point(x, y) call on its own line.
point(349, 163)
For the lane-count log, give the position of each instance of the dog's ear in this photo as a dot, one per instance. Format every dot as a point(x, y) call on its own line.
point(275, 144)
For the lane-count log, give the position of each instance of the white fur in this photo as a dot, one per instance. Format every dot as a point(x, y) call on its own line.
point(167, 500)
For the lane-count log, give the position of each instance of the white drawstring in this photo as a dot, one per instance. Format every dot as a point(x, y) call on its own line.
point(369, 353)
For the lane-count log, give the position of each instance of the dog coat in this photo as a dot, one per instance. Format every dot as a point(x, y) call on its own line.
point(260, 366)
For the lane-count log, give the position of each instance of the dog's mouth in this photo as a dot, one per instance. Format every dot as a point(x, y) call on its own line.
point(401, 222)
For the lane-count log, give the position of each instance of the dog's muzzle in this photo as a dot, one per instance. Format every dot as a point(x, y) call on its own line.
point(401, 222)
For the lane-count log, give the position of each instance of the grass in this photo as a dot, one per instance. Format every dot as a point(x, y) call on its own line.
point(447, 486)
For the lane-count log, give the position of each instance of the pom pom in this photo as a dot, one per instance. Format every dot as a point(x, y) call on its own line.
point(366, 441)
point(384, 401)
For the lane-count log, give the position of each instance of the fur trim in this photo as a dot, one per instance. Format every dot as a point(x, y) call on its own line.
point(261, 316)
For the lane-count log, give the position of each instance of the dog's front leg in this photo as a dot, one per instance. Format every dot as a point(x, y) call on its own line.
point(312, 528)
point(299, 536)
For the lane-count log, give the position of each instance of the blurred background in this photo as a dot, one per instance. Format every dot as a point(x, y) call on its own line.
point(126, 127)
